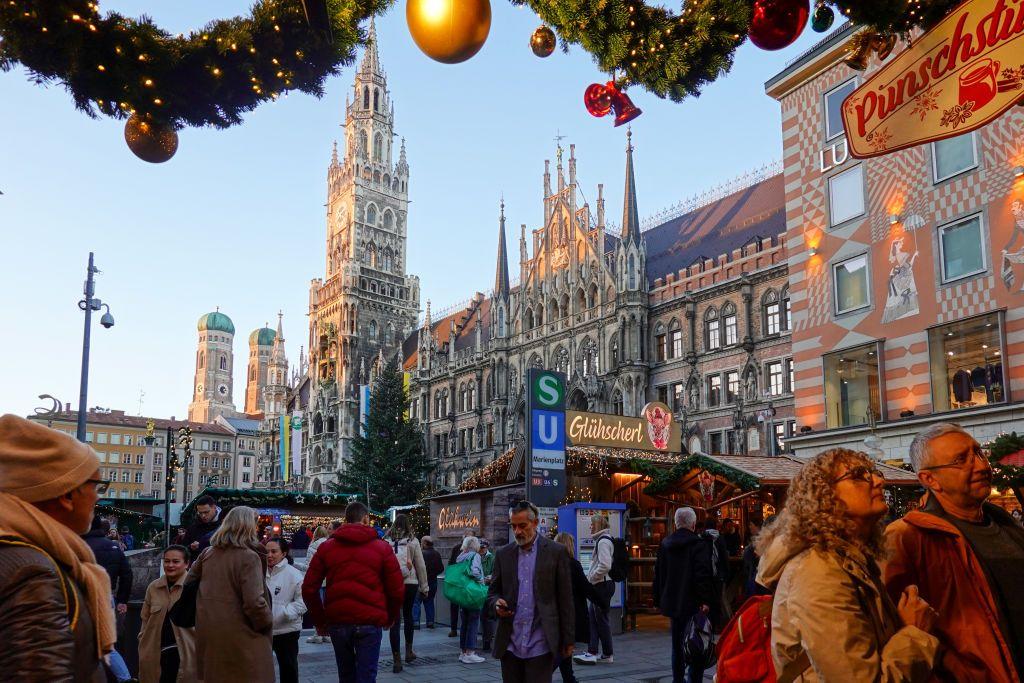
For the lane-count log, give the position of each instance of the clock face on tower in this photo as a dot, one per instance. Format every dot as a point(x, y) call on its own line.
point(223, 389)
point(199, 390)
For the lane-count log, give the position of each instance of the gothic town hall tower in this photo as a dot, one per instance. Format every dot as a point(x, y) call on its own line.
point(366, 304)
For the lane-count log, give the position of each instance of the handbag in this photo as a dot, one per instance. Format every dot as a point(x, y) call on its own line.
point(698, 640)
point(462, 588)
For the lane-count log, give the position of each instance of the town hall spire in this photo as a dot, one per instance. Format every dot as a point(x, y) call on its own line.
point(501, 271)
point(630, 216)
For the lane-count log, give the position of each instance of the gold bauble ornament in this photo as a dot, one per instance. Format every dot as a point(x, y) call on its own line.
point(149, 140)
point(542, 42)
point(449, 31)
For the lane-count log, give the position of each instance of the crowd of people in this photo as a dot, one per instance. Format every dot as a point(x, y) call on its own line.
point(936, 595)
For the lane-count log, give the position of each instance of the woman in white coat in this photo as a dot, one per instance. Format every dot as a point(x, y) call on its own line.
point(285, 584)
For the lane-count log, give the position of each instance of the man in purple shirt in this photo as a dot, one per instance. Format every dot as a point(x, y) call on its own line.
point(531, 595)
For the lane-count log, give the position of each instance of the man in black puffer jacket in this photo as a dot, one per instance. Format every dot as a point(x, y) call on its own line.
point(110, 556)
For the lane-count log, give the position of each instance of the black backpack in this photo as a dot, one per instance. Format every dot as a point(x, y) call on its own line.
point(620, 560)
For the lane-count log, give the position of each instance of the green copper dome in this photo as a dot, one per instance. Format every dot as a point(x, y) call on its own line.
point(216, 321)
point(262, 337)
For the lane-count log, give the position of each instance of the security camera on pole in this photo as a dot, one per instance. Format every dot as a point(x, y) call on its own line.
point(89, 304)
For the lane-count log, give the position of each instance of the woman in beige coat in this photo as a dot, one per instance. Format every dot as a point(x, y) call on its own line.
point(163, 647)
point(233, 614)
point(414, 574)
point(832, 619)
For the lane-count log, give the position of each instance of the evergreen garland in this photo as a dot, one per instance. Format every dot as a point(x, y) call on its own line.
point(119, 66)
point(663, 479)
point(389, 459)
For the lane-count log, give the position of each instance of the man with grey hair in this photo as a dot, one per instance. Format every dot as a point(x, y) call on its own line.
point(965, 555)
point(683, 584)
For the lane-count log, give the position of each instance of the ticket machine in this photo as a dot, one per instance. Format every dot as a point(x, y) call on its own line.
point(575, 519)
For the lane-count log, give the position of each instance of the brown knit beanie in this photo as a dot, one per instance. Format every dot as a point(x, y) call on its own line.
point(38, 463)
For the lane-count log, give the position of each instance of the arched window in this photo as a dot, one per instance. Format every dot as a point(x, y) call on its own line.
point(675, 339)
point(562, 360)
point(771, 313)
point(378, 147)
point(712, 330)
point(376, 99)
point(729, 324)
point(386, 181)
point(588, 358)
point(366, 97)
point(371, 215)
point(592, 296)
point(536, 361)
point(471, 396)
point(389, 220)
point(373, 329)
point(223, 362)
point(252, 374)
point(202, 360)
point(386, 261)
point(501, 322)
point(318, 424)
point(376, 177)
point(631, 272)
point(613, 354)
point(529, 319)
point(371, 255)
point(389, 336)
point(617, 403)
point(363, 143)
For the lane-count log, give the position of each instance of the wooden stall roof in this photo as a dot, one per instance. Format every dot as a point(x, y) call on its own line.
point(767, 470)
point(780, 470)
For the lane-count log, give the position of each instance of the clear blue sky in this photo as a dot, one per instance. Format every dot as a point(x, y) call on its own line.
point(236, 219)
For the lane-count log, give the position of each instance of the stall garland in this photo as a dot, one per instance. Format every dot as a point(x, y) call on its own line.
point(120, 66)
point(663, 480)
point(1007, 475)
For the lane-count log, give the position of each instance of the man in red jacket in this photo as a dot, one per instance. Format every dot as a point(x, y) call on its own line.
point(364, 594)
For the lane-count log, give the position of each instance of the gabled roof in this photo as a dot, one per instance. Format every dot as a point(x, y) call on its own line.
point(755, 212)
point(465, 330)
point(243, 424)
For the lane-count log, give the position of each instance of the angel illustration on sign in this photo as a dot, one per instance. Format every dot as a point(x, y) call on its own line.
point(659, 425)
point(902, 298)
point(1012, 257)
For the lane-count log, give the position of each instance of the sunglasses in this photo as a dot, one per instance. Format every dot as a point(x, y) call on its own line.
point(101, 485)
point(862, 473)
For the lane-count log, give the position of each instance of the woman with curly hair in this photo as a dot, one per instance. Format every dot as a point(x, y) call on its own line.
point(832, 619)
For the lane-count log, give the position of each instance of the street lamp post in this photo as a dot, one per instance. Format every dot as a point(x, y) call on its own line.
point(171, 468)
point(89, 304)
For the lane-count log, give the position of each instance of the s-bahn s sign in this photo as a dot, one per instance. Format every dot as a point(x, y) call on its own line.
point(545, 438)
point(963, 73)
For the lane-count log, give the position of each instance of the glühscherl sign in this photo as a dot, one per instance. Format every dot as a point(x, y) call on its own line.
point(654, 430)
point(963, 73)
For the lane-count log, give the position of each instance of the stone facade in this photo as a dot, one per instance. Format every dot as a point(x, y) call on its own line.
point(366, 304)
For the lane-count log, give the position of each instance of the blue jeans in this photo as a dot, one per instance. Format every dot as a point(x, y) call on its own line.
point(356, 649)
point(428, 604)
point(470, 622)
point(114, 659)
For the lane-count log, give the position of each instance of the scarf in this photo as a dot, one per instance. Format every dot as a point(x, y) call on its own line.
point(29, 523)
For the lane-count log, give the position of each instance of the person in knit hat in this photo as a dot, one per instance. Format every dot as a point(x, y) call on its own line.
point(56, 618)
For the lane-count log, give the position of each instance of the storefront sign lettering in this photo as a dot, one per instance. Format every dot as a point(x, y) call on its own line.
point(655, 430)
point(960, 75)
point(455, 519)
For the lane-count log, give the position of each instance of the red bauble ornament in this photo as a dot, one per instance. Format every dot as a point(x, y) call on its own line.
point(774, 24)
point(598, 99)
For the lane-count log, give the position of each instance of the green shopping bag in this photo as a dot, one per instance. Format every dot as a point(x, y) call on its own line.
point(462, 588)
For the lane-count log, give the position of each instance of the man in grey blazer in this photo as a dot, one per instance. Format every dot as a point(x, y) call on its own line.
point(531, 595)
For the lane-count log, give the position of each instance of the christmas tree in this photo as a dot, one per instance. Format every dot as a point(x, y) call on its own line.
point(387, 455)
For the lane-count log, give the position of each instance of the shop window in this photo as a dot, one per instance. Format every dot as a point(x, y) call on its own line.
point(963, 248)
point(732, 385)
point(774, 372)
point(846, 195)
point(953, 156)
point(850, 278)
point(715, 443)
point(966, 359)
point(714, 390)
point(833, 107)
point(852, 386)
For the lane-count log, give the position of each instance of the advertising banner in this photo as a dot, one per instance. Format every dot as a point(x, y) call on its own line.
point(364, 407)
point(297, 442)
point(963, 73)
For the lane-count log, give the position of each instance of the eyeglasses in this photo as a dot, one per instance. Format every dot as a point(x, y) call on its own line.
point(101, 485)
point(961, 460)
point(862, 473)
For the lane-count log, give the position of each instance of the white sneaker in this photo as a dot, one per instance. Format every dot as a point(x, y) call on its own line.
point(314, 639)
point(476, 659)
point(606, 659)
point(464, 658)
point(585, 658)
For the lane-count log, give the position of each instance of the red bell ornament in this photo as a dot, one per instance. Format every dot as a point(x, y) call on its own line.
point(625, 110)
point(598, 99)
point(774, 24)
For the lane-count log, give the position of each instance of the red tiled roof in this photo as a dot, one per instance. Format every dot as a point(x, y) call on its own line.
point(117, 418)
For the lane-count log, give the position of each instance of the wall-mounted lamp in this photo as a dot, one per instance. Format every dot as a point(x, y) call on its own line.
point(894, 219)
point(1018, 171)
